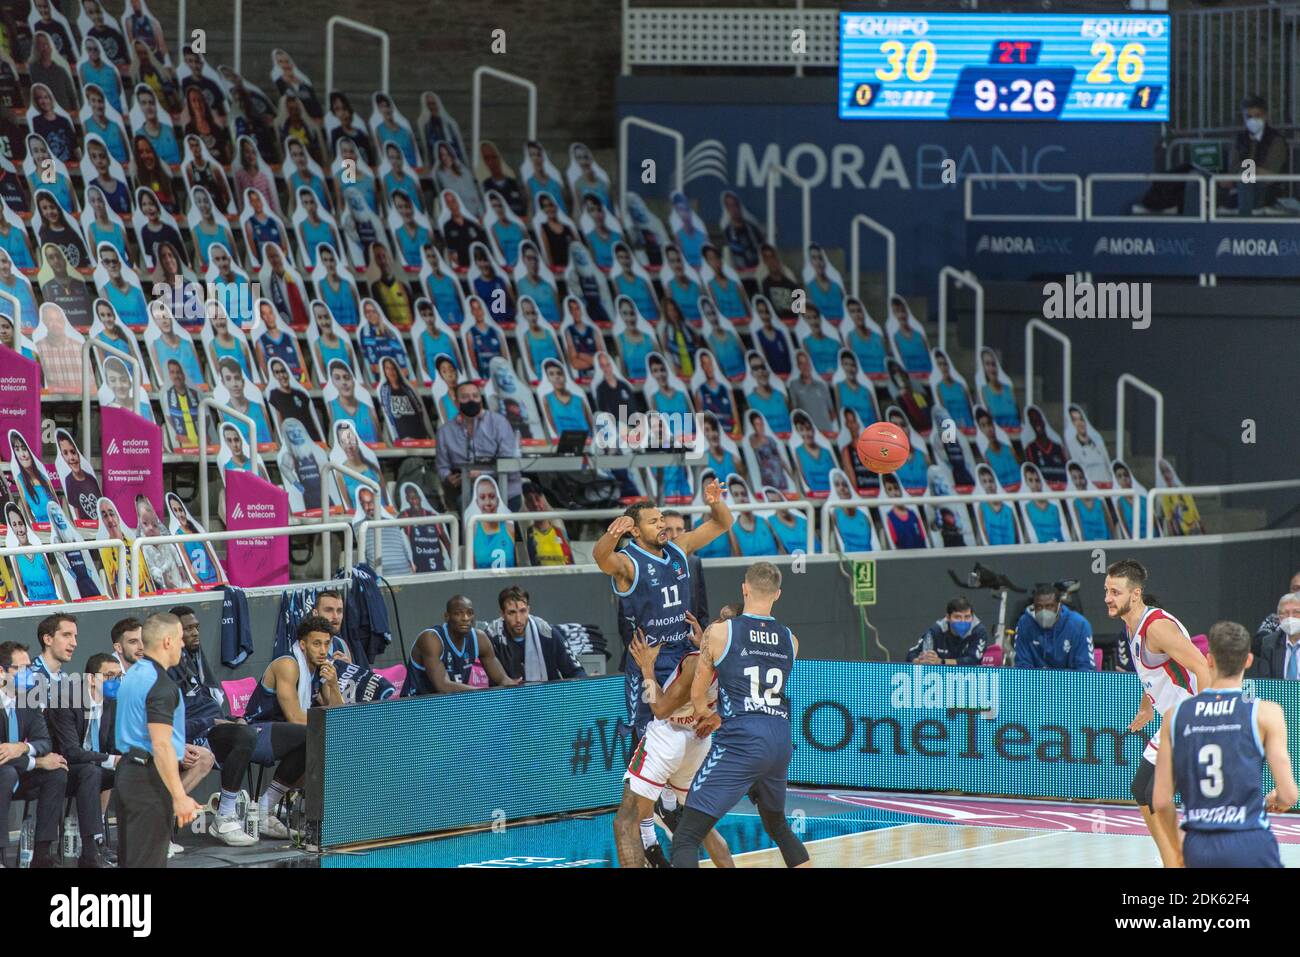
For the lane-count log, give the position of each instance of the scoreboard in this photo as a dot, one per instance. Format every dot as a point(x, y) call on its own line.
point(971, 66)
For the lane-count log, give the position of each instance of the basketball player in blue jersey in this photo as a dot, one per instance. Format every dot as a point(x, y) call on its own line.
point(652, 577)
point(443, 658)
point(751, 657)
point(1212, 752)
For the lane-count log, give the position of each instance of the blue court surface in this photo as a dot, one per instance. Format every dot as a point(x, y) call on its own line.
point(841, 828)
point(587, 840)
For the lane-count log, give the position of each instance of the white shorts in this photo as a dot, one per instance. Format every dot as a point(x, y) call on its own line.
point(668, 755)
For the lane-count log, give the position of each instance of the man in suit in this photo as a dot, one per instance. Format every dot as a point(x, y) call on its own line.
point(675, 523)
point(28, 767)
point(1279, 649)
point(81, 728)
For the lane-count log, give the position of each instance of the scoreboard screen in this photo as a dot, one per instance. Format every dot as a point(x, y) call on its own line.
point(970, 66)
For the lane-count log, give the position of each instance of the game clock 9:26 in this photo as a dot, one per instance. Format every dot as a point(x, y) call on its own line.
point(999, 93)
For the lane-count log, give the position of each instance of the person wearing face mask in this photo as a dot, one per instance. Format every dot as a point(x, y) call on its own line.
point(1279, 649)
point(29, 767)
point(470, 444)
point(1270, 622)
point(1052, 635)
point(959, 638)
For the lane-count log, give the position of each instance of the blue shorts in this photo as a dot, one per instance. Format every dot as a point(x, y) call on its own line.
point(1254, 848)
point(749, 755)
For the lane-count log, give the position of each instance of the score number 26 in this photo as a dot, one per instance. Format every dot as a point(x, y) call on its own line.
point(919, 61)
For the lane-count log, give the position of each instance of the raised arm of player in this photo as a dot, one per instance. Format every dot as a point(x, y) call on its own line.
point(1163, 797)
point(488, 656)
point(1272, 728)
point(429, 647)
point(718, 523)
point(1164, 637)
point(615, 564)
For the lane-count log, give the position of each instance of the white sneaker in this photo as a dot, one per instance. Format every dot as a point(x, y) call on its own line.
point(173, 849)
point(272, 827)
point(230, 831)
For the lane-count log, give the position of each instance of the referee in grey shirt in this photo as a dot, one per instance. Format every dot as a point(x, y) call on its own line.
point(150, 728)
point(476, 437)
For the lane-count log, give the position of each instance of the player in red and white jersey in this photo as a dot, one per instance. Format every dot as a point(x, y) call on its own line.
point(1171, 668)
point(668, 755)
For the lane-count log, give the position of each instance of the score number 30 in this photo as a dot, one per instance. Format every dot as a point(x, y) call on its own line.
point(919, 61)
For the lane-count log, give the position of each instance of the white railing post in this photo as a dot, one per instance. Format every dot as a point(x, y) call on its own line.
point(477, 114)
point(862, 219)
point(1128, 379)
point(1234, 217)
point(1067, 360)
point(451, 521)
point(961, 278)
point(326, 471)
point(1195, 178)
point(258, 467)
point(774, 172)
point(679, 147)
point(1072, 178)
point(337, 21)
point(89, 346)
point(86, 545)
point(280, 531)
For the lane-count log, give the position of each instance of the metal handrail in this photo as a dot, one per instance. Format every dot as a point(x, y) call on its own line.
point(517, 80)
point(805, 187)
point(679, 150)
point(830, 506)
point(328, 469)
point(1154, 493)
point(1187, 140)
point(451, 521)
point(281, 531)
point(258, 466)
point(84, 545)
point(1218, 178)
point(862, 219)
point(239, 28)
point(802, 505)
point(338, 21)
point(1196, 178)
point(962, 278)
point(1074, 178)
point(1067, 350)
point(88, 346)
point(1159, 397)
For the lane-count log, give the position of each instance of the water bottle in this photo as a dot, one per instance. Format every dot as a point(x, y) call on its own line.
point(27, 843)
point(927, 643)
point(71, 840)
point(251, 820)
point(241, 805)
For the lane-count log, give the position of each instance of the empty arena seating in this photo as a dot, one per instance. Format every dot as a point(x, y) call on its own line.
point(331, 277)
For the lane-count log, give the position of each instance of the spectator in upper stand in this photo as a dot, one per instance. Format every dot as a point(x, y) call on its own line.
point(958, 638)
point(1279, 650)
point(476, 437)
point(29, 769)
point(528, 649)
point(1271, 621)
point(1258, 142)
point(1052, 635)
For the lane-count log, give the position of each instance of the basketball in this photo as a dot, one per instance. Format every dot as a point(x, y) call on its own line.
point(883, 447)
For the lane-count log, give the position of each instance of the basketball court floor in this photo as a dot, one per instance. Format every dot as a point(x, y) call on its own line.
point(841, 829)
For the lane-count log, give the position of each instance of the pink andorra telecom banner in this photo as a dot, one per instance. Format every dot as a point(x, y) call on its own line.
point(251, 503)
point(20, 399)
point(132, 450)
